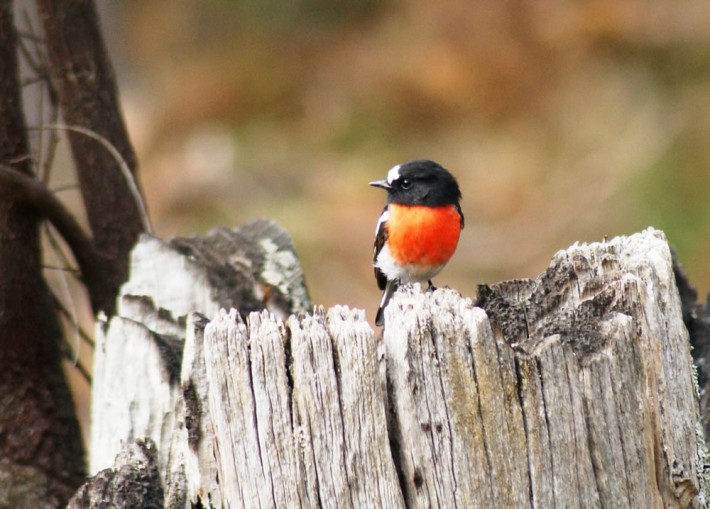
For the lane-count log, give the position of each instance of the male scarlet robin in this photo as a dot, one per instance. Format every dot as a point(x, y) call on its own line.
point(419, 228)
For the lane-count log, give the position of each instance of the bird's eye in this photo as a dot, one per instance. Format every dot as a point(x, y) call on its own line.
point(406, 184)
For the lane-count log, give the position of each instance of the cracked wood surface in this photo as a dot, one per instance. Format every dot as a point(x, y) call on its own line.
point(571, 390)
point(306, 433)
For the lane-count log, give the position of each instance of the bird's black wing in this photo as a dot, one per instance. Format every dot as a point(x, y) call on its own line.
point(380, 239)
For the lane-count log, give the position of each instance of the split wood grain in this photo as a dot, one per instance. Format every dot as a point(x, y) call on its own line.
point(571, 390)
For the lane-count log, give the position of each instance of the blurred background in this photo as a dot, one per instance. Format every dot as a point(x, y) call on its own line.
point(563, 121)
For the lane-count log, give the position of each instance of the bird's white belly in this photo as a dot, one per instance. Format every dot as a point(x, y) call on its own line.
point(409, 273)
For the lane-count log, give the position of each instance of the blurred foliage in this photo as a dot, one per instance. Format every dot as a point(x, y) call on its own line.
point(564, 121)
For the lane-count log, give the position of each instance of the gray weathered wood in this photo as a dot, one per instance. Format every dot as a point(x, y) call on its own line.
point(459, 425)
point(571, 390)
point(192, 472)
point(302, 432)
point(149, 368)
point(606, 320)
point(134, 390)
point(251, 407)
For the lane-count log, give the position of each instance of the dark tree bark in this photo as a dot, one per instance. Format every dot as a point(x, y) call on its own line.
point(39, 434)
point(84, 80)
point(41, 453)
point(696, 316)
point(133, 482)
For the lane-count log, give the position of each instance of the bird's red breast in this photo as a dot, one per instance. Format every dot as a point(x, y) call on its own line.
point(423, 235)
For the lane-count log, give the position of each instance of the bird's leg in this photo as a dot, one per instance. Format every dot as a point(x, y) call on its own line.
point(431, 287)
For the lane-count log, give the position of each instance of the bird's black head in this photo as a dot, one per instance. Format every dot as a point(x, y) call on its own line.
point(420, 182)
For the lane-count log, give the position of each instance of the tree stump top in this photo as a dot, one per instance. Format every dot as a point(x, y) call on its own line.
point(571, 390)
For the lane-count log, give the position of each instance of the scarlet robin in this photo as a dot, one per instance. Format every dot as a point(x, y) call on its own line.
point(419, 228)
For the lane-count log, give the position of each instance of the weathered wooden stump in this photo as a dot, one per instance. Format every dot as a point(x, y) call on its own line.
point(572, 390)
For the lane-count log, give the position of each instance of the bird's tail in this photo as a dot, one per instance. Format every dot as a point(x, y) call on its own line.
point(390, 288)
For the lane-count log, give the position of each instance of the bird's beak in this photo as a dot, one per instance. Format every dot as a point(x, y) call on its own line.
point(381, 183)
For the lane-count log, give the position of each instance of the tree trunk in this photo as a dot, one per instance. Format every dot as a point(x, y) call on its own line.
point(88, 97)
point(41, 453)
point(572, 390)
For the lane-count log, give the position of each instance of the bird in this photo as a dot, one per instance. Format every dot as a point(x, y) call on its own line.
point(419, 228)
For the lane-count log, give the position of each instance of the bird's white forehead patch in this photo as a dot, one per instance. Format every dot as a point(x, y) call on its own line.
point(393, 174)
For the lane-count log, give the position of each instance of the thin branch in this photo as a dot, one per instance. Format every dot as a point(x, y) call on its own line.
point(67, 187)
point(40, 138)
point(36, 59)
point(46, 160)
point(32, 81)
point(71, 270)
point(59, 252)
point(76, 363)
point(84, 372)
point(30, 58)
point(71, 309)
point(125, 170)
point(31, 190)
point(58, 249)
point(65, 312)
point(31, 36)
